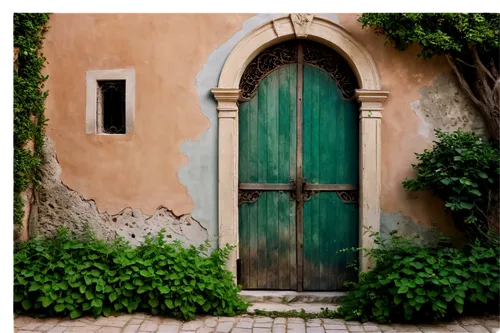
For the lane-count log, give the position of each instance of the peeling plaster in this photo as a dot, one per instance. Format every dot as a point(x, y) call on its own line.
point(444, 105)
point(405, 226)
point(57, 205)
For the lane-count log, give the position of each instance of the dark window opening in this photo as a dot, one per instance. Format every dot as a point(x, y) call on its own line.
point(111, 106)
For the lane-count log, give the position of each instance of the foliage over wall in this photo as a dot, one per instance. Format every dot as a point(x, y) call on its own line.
point(463, 170)
point(65, 275)
point(470, 42)
point(29, 98)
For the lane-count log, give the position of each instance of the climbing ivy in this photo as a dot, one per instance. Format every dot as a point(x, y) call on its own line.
point(29, 98)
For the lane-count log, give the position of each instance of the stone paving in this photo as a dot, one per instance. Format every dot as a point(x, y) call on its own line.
point(143, 323)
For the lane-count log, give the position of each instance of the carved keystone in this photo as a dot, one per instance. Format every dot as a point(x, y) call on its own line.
point(301, 23)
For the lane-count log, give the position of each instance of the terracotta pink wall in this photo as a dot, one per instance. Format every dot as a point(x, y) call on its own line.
point(139, 169)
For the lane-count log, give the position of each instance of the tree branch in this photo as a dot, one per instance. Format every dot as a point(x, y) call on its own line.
point(480, 63)
point(462, 81)
point(488, 109)
point(466, 64)
point(493, 67)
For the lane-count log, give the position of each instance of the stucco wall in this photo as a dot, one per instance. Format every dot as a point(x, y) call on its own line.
point(169, 164)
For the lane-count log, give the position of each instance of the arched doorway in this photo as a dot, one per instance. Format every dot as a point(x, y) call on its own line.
point(298, 169)
point(369, 95)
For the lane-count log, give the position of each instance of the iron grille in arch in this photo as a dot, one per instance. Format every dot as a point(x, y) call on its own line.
point(313, 54)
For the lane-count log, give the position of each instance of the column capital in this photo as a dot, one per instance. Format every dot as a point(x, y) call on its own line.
point(227, 99)
point(371, 102)
point(364, 95)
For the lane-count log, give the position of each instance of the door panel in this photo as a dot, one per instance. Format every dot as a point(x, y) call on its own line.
point(267, 141)
point(330, 127)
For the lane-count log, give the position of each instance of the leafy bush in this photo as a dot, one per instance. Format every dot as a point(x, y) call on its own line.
point(64, 275)
point(411, 282)
point(463, 170)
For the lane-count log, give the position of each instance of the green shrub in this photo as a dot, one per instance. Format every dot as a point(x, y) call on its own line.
point(411, 282)
point(65, 275)
point(463, 170)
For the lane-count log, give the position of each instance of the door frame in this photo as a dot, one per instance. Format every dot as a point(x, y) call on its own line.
point(369, 95)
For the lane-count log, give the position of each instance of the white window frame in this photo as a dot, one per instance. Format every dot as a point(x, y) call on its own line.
point(92, 113)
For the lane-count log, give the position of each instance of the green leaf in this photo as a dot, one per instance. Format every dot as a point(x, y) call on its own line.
point(89, 294)
point(59, 307)
point(164, 289)
point(403, 289)
point(75, 314)
point(106, 311)
point(441, 304)
point(206, 307)
point(96, 302)
point(47, 301)
point(420, 299)
point(431, 261)
point(475, 192)
point(481, 297)
point(34, 287)
point(129, 286)
point(466, 205)
point(145, 273)
point(446, 181)
point(482, 174)
point(169, 303)
point(26, 304)
point(153, 302)
point(459, 307)
point(484, 282)
point(112, 297)
point(142, 289)
point(459, 299)
point(419, 280)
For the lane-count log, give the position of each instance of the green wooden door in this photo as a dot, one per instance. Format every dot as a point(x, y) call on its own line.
point(298, 172)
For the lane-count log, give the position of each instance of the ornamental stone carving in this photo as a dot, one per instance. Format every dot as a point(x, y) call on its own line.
point(301, 23)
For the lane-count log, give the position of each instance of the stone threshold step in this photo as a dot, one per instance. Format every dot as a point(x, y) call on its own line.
point(297, 306)
point(284, 297)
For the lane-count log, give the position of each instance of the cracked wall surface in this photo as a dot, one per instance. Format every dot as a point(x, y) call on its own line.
point(57, 205)
point(443, 105)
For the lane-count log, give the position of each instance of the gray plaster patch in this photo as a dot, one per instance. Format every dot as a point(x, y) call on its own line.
point(443, 105)
point(57, 205)
point(405, 226)
point(199, 174)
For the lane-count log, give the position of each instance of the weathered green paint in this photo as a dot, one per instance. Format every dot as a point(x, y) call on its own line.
point(330, 157)
point(267, 154)
point(267, 232)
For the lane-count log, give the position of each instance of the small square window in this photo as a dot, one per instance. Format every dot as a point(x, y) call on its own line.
point(110, 101)
point(111, 107)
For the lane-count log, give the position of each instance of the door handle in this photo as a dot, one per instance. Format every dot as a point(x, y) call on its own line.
point(306, 194)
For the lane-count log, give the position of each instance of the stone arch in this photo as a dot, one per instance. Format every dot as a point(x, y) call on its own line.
point(370, 96)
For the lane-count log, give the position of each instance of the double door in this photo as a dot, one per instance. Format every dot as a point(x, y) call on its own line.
point(298, 182)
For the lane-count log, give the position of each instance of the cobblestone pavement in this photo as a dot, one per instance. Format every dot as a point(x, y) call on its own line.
point(142, 323)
